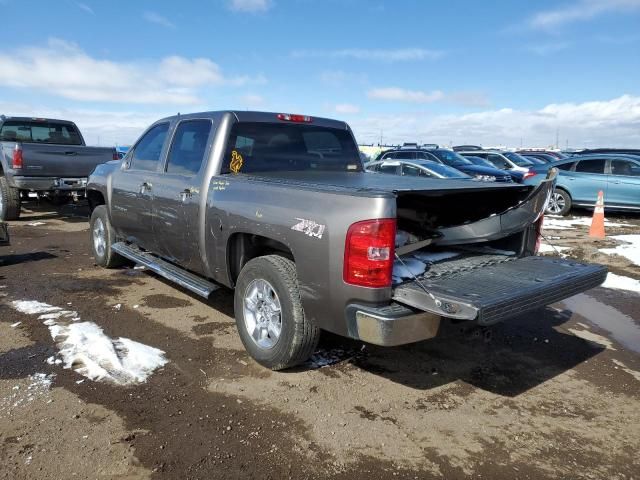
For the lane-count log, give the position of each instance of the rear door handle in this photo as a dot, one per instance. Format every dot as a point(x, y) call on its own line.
point(186, 193)
point(71, 153)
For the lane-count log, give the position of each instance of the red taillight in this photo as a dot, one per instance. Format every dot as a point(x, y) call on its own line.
point(529, 174)
point(116, 156)
point(292, 117)
point(17, 157)
point(368, 253)
point(539, 233)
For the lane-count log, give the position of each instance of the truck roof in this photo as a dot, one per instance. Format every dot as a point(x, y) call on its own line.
point(35, 119)
point(254, 116)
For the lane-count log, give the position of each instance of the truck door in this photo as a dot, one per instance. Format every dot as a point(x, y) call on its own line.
point(133, 188)
point(177, 196)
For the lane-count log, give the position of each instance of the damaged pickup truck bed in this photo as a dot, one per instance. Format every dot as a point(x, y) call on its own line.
point(279, 208)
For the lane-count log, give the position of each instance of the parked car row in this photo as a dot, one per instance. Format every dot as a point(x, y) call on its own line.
point(616, 172)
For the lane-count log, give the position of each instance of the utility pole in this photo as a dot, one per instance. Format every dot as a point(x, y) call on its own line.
point(557, 137)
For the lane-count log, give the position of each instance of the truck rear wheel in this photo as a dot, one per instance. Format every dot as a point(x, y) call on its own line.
point(9, 200)
point(269, 314)
point(102, 238)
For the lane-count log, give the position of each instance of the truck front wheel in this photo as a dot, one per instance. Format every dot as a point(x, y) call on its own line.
point(9, 200)
point(102, 238)
point(269, 314)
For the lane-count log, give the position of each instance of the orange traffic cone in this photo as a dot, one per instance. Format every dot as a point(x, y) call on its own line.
point(597, 223)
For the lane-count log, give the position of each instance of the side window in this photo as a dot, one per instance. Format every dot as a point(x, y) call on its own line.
point(499, 162)
point(590, 166)
point(565, 166)
point(187, 149)
point(405, 155)
point(393, 169)
point(390, 156)
point(146, 154)
point(411, 170)
point(625, 167)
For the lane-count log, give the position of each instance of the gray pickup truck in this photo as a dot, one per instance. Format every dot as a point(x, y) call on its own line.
point(279, 208)
point(45, 156)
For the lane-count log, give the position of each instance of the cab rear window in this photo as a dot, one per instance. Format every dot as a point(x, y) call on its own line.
point(40, 132)
point(270, 147)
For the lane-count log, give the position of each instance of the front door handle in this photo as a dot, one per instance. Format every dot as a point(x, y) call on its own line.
point(145, 187)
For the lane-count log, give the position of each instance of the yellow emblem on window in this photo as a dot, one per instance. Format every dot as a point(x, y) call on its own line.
point(236, 162)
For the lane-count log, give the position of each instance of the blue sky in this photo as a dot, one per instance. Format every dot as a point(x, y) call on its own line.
point(502, 72)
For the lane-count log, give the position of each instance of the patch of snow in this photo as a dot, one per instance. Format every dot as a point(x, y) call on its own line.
point(588, 335)
point(635, 374)
point(84, 347)
point(552, 222)
point(33, 307)
point(35, 224)
point(14, 325)
point(546, 248)
point(620, 282)
point(39, 385)
point(117, 307)
point(630, 247)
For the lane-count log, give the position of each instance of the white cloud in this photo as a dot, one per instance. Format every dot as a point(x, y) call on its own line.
point(252, 100)
point(250, 6)
point(380, 55)
point(580, 11)
point(346, 108)
point(154, 17)
point(339, 78)
point(402, 95)
point(614, 122)
point(63, 69)
point(85, 7)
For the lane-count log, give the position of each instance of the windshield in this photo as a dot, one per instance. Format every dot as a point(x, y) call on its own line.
point(451, 158)
point(445, 170)
point(481, 161)
point(518, 159)
point(35, 131)
point(273, 147)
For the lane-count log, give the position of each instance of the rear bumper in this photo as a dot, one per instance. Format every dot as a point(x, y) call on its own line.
point(47, 184)
point(391, 325)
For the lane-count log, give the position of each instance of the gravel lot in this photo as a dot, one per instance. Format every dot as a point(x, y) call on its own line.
point(551, 394)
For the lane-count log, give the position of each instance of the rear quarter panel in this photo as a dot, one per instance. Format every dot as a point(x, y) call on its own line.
point(238, 204)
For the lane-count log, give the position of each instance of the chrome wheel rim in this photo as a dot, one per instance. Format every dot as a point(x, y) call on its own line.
point(556, 203)
point(99, 237)
point(262, 313)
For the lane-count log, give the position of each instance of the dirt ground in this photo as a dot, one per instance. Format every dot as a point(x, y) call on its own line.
point(552, 394)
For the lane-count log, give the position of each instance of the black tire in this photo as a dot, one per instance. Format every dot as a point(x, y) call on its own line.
point(9, 200)
point(560, 203)
point(104, 257)
point(298, 337)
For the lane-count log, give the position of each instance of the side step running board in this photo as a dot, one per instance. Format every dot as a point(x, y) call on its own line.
point(167, 270)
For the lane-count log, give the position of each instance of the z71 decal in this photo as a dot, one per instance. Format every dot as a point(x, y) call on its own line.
point(309, 227)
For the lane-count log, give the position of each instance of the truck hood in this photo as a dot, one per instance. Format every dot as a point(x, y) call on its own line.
point(375, 183)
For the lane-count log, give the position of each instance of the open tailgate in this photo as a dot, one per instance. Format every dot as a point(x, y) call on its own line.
point(491, 288)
